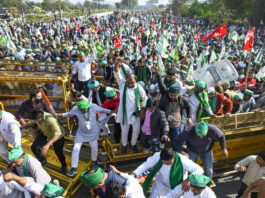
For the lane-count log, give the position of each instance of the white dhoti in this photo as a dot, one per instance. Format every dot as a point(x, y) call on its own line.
point(80, 138)
point(125, 130)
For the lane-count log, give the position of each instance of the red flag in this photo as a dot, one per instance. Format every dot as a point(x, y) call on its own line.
point(66, 28)
point(138, 41)
point(73, 24)
point(78, 28)
point(97, 29)
point(152, 25)
point(197, 36)
point(173, 21)
point(249, 39)
point(118, 42)
point(120, 21)
point(217, 33)
point(158, 35)
point(142, 29)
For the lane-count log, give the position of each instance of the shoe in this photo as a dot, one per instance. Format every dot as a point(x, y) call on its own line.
point(95, 164)
point(56, 182)
point(146, 150)
point(64, 169)
point(72, 172)
point(134, 150)
point(124, 150)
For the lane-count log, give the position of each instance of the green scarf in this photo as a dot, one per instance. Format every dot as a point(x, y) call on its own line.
point(204, 102)
point(169, 83)
point(137, 101)
point(123, 70)
point(25, 166)
point(213, 103)
point(140, 74)
point(175, 176)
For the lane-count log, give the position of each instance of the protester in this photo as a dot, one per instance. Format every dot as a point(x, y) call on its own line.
point(88, 131)
point(254, 166)
point(200, 141)
point(9, 134)
point(170, 169)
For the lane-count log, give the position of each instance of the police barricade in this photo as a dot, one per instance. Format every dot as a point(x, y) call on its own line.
point(17, 78)
point(245, 135)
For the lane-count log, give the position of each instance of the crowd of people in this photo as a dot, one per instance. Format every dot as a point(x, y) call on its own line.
point(146, 60)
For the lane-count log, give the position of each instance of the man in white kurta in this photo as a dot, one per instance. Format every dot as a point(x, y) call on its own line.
point(88, 130)
point(199, 188)
point(9, 133)
point(161, 186)
point(129, 118)
point(12, 189)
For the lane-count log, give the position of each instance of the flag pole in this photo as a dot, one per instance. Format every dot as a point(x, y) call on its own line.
point(249, 60)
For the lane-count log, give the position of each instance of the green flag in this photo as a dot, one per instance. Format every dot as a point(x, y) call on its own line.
point(242, 37)
point(174, 54)
point(213, 57)
point(259, 56)
point(234, 36)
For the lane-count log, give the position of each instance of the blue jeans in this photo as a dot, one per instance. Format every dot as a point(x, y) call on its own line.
point(207, 161)
point(173, 132)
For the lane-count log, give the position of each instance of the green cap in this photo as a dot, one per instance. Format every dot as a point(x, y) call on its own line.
point(189, 80)
point(185, 66)
point(57, 58)
point(29, 50)
point(174, 90)
point(93, 84)
point(74, 47)
point(81, 53)
point(241, 76)
point(19, 47)
point(52, 191)
point(202, 128)
point(200, 84)
point(176, 69)
point(183, 71)
point(83, 105)
point(149, 60)
point(110, 93)
point(238, 97)
point(15, 153)
point(141, 83)
point(92, 180)
point(37, 50)
point(248, 92)
point(66, 48)
point(198, 180)
point(154, 61)
point(104, 63)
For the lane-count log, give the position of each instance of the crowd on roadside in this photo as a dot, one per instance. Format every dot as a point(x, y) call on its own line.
point(147, 61)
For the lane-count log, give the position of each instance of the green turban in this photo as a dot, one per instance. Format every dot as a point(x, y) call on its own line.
point(200, 84)
point(202, 128)
point(29, 50)
point(37, 50)
point(110, 93)
point(174, 90)
point(183, 71)
point(92, 180)
point(154, 61)
point(15, 153)
point(238, 97)
point(52, 191)
point(83, 105)
point(198, 180)
point(241, 76)
point(248, 92)
point(104, 63)
point(93, 84)
point(141, 83)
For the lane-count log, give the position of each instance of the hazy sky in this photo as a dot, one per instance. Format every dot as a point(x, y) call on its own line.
point(141, 2)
